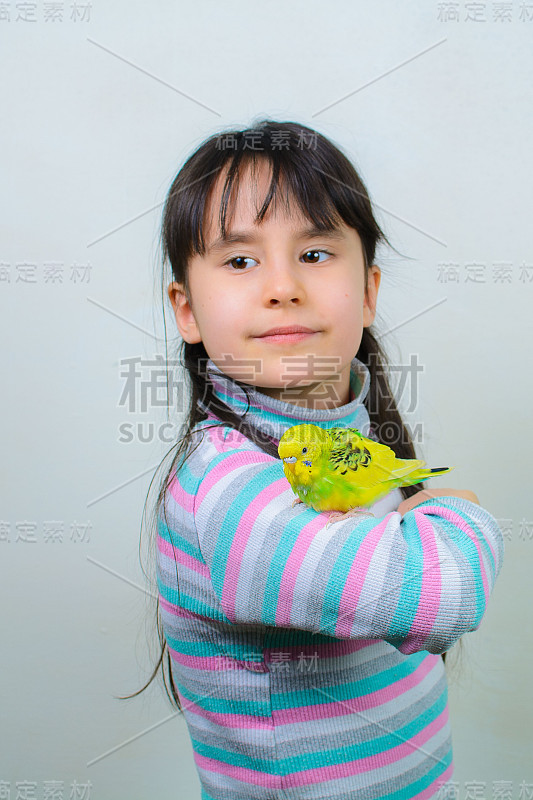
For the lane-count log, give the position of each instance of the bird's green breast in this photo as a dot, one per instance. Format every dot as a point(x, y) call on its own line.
point(334, 493)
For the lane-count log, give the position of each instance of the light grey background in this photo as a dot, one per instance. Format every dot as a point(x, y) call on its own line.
point(100, 109)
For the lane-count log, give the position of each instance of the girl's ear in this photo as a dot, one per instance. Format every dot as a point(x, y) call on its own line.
point(183, 312)
point(371, 295)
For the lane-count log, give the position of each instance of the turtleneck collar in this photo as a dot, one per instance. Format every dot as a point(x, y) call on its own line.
point(272, 416)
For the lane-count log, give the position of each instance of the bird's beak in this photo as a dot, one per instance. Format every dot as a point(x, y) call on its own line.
point(290, 461)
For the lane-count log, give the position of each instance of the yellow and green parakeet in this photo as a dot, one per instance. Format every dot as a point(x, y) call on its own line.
point(339, 469)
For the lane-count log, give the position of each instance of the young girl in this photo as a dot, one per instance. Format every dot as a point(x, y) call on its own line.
point(305, 656)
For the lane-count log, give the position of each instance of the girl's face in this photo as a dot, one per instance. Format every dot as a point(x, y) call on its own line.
point(249, 294)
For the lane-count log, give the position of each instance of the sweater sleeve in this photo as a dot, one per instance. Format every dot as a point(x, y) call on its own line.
point(418, 582)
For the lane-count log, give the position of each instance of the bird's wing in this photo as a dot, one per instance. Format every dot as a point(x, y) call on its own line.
point(368, 463)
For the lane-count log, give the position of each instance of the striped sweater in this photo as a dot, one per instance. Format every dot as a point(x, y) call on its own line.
point(307, 658)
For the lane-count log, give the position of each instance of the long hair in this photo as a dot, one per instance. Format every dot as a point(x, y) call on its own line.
point(326, 188)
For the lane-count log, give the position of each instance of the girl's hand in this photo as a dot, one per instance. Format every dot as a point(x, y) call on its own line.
point(426, 494)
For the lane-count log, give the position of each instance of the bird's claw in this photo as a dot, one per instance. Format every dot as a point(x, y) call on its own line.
point(336, 516)
point(295, 502)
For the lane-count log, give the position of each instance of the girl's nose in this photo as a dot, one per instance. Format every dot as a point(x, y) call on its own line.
point(283, 285)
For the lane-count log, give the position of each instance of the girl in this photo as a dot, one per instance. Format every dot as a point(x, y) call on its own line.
point(305, 658)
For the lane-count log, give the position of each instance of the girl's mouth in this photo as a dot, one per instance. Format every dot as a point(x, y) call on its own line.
point(285, 335)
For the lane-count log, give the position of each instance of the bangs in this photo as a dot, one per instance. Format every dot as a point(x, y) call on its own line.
point(290, 186)
point(319, 182)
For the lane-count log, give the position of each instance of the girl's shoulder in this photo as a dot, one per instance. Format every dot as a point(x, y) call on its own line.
point(209, 443)
point(210, 437)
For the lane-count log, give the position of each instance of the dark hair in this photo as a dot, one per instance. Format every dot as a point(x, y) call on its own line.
point(326, 188)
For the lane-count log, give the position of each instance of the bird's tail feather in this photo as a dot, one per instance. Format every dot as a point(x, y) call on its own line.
point(420, 475)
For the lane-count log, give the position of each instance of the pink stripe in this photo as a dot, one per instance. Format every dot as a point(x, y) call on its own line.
point(232, 462)
point(238, 773)
point(376, 761)
point(335, 771)
point(356, 578)
point(292, 568)
point(355, 705)
point(240, 540)
point(226, 720)
point(433, 789)
point(178, 611)
point(337, 649)
point(430, 591)
point(183, 499)
point(456, 519)
point(216, 437)
point(178, 555)
point(218, 663)
point(224, 437)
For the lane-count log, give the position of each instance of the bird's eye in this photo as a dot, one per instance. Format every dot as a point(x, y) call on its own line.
point(304, 449)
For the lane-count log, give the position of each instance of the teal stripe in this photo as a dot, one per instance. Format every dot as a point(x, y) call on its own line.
point(339, 575)
point(178, 541)
point(248, 708)
point(277, 638)
point(193, 604)
point(240, 406)
point(278, 563)
point(203, 648)
point(234, 759)
point(338, 755)
point(371, 746)
point(482, 539)
point(238, 506)
point(266, 416)
point(276, 420)
point(411, 590)
point(422, 783)
point(352, 690)
point(197, 647)
point(188, 480)
point(205, 796)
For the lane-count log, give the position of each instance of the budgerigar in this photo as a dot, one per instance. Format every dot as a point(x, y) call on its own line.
point(340, 470)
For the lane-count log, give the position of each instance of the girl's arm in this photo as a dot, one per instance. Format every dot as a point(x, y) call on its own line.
point(418, 582)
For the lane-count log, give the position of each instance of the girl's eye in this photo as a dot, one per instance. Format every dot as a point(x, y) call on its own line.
point(314, 253)
point(239, 266)
point(238, 262)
